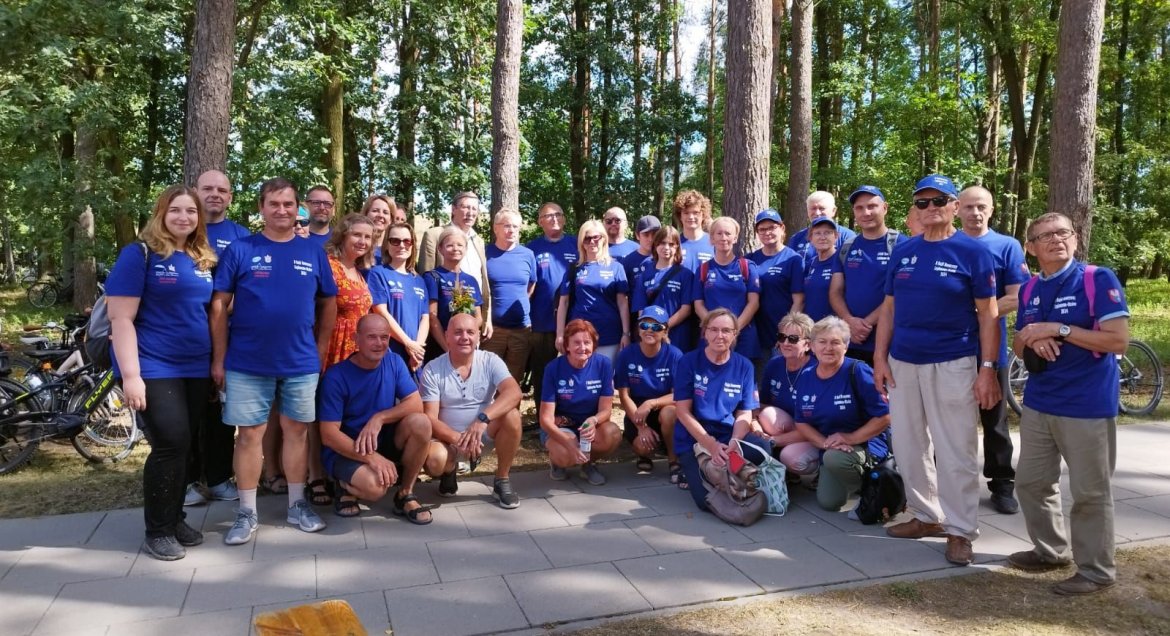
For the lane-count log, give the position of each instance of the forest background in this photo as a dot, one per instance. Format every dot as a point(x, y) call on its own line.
point(590, 103)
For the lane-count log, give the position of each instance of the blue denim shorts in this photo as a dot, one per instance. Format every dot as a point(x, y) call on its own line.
point(250, 397)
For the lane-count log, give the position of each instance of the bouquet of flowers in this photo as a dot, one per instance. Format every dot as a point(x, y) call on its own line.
point(462, 300)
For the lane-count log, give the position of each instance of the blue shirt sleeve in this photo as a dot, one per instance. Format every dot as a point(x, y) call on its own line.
point(432, 285)
point(619, 277)
point(606, 371)
point(684, 380)
point(548, 385)
point(326, 286)
point(379, 292)
point(1110, 296)
point(331, 397)
point(404, 385)
point(1015, 270)
point(753, 278)
point(751, 395)
point(128, 276)
point(873, 403)
point(229, 264)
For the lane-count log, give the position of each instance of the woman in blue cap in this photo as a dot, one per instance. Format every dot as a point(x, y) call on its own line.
point(644, 380)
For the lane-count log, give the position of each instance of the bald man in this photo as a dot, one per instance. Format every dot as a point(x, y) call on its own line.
point(616, 225)
point(215, 193)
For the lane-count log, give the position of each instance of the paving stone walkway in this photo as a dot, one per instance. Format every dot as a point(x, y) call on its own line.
point(570, 552)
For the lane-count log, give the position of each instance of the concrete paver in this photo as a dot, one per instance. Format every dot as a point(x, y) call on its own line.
point(571, 551)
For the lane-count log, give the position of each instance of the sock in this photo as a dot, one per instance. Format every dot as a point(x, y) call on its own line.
point(296, 492)
point(248, 499)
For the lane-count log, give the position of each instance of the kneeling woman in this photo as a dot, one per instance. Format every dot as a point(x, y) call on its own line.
point(714, 395)
point(841, 412)
point(576, 401)
point(778, 395)
point(644, 379)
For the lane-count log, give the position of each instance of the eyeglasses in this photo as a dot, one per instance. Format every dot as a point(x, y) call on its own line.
point(596, 238)
point(652, 326)
point(549, 217)
point(612, 220)
point(723, 331)
point(790, 339)
point(399, 242)
point(938, 202)
point(320, 203)
point(1060, 235)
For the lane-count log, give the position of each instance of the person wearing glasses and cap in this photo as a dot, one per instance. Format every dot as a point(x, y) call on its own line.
point(856, 290)
point(635, 261)
point(615, 229)
point(823, 233)
point(937, 338)
point(644, 380)
point(781, 280)
point(818, 204)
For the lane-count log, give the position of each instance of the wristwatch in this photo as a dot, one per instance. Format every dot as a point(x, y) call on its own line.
point(1064, 332)
point(483, 418)
point(990, 364)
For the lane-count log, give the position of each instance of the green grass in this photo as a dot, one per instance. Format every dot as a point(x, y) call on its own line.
point(15, 312)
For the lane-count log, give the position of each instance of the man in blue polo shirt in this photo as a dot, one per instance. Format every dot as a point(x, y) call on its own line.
point(976, 206)
point(555, 253)
point(1072, 320)
point(271, 279)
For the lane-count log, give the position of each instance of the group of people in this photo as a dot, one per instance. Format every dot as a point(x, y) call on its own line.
point(351, 357)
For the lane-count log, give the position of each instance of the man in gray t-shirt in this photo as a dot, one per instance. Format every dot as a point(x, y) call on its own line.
point(472, 400)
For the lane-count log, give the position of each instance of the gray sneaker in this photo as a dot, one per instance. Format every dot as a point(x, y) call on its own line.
point(164, 548)
point(194, 496)
point(225, 491)
point(556, 473)
point(301, 515)
point(593, 474)
point(503, 493)
point(243, 529)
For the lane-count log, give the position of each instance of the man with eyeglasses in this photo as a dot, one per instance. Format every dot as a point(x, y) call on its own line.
point(976, 206)
point(464, 214)
point(936, 353)
point(615, 228)
point(555, 253)
point(320, 203)
point(818, 205)
point(856, 291)
point(1072, 321)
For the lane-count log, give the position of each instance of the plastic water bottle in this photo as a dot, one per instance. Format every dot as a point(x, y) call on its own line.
point(585, 445)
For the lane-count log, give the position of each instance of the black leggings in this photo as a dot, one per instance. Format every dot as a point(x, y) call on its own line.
point(175, 410)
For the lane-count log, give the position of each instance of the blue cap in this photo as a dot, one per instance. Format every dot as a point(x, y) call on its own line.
point(866, 189)
point(937, 182)
point(654, 312)
point(821, 220)
point(769, 215)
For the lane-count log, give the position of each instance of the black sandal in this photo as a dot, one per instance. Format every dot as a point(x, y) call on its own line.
point(276, 485)
point(413, 514)
point(346, 505)
point(318, 492)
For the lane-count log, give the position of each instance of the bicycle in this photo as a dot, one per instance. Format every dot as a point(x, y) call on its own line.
point(46, 293)
point(1140, 386)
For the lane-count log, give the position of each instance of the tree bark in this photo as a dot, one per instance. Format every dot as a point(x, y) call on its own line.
point(333, 117)
point(711, 100)
point(825, 102)
point(606, 64)
point(676, 94)
point(505, 106)
point(746, 134)
point(1074, 114)
point(209, 89)
point(800, 172)
point(84, 266)
point(408, 108)
point(779, 80)
point(579, 111)
point(639, 86)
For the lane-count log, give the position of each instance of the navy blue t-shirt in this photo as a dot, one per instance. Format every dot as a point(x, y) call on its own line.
point(440, 283)
point(799, 242)
point(621, 250)
point(830, 406)
point(817, 277)
point(696, 252)
point(781, 276)
point(174, 340)
point(717, 391)
point(221, 234)
point(577, 392)
point(405, 297)
point(935, 285)
point(1010, 269)
point(598, 286)
point(726, 288)
point(509, 274)
point(646, 378)
point(672, 293)
point(276, 286)
point(778, 384)
point(864, 272)
point(553, 259)
point(352, 395)
point(635, 262)
point(1077, 383)
point(320, 239)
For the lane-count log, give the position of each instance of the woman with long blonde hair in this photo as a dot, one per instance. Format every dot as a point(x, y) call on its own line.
point(595, 289)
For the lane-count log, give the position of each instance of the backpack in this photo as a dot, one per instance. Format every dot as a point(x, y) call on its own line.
point(97, 330)
point(891, 240)
point(883, 495)
point(1090, 284)
point(706, 267)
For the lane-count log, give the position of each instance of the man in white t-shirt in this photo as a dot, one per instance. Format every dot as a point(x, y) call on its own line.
point(472, 401)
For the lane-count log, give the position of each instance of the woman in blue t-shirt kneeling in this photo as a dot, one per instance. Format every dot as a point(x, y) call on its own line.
point(576, 402)
point(157, 296)
point(841, 412)
point(714, 393)
point(778, 395)
point(644, 379)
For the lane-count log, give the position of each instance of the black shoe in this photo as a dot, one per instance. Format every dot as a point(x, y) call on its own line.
point(164, 548)
point(186, 535)
point(503, 493)
point(448, 484)
point(1004, 503)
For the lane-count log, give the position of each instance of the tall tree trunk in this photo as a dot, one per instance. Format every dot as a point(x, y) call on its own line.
point(711, 99)
point(639, 87)
point(606, 64)
point(746, 134)
point(579, 111)
point(505, 106)
point(657, 105)
point(408, 107)
point(333, 116)
point(84, 265)
point(210, 85)
point(779, 80)
point(1118, 140)
point(825, 102)
point(352, 164)
point(1074, 114)
point(154, 66)
point(800, 172)
point(125, 228)
point(676, 94)
point(9, 254)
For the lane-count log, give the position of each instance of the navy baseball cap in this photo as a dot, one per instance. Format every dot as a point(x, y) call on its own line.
point(654, 312)
point(822, 220)
point(647, 223)
point(866, 189)
point(938, 182)
point(769, 215)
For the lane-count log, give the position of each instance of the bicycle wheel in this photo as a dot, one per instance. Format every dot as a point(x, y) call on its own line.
point(43, 295)
point(1017, 378)
point(18, 439)
point(1141, 379)
point(110, 432)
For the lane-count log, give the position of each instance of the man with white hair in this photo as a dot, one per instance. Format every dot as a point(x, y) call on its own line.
point(818, 205)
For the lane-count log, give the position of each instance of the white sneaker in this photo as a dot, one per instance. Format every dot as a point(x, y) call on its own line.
point(301, 515)
point(194, 496)
point(243, 529)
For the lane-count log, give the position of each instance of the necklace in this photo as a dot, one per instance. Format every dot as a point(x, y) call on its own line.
point(791, 377)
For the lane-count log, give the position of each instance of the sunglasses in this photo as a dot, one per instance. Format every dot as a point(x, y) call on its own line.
point(651, 326)
point(787, 338)
point(592, 239)
point(938, 202)
point(303, 222)
point(399, 242)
